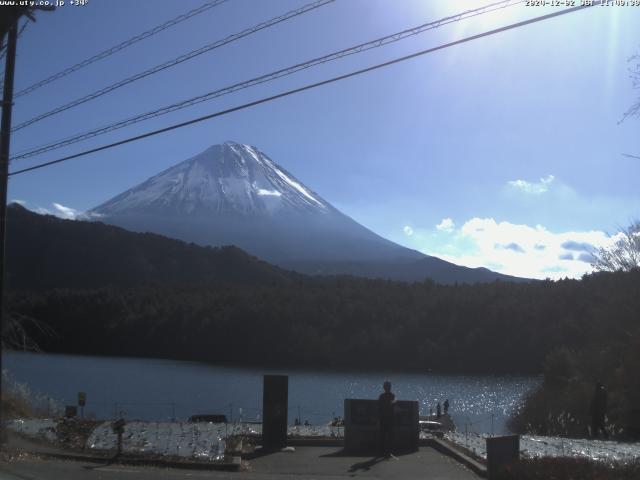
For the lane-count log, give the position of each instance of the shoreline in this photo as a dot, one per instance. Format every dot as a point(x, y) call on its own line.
point(280, 369)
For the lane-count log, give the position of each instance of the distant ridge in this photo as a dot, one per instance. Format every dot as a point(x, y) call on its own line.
point(45, 252)
point(432, 268)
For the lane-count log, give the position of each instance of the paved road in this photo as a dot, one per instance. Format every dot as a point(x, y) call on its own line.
point(325, 463)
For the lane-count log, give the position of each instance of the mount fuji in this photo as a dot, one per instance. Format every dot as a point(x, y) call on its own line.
point(233, 194)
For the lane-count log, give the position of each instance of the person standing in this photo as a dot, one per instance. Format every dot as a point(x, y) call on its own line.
point(386, 402)
point(445, 406)
point(598, 410)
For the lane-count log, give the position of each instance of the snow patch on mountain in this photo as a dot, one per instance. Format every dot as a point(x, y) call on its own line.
point(284, 177)
point(262, 191)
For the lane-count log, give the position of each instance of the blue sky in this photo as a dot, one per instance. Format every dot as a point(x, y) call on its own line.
point(505, 152)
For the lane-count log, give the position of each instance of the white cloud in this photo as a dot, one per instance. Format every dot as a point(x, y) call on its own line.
point(408, 230)
point(65, 212)
point(19, 202)
point(516, 249)
point(446, 225)
point(535, 188)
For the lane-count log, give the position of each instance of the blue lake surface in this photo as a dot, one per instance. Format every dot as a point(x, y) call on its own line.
point(152, 389)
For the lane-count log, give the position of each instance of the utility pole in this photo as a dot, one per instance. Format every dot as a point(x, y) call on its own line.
point(8, 25)
point(5, 137)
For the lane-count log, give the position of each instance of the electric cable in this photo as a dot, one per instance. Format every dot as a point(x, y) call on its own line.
point(175, 61)
point(304, 88)
point(121, 46)
point(379, 42)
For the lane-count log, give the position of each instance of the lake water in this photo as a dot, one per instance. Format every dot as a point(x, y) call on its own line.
point(151, 389)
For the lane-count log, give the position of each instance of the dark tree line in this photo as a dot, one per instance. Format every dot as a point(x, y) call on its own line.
point(608, 352)
point(346, 322)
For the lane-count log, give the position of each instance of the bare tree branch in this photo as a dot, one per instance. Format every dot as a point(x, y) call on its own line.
point(623, 255)
point(16, 332)
point(634, 74)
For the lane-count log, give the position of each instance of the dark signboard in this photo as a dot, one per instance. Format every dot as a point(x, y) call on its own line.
point(275, 403)
point(501, 451)
point(363, 412)
point(362, 426)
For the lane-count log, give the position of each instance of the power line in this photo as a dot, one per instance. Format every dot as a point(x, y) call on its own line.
point(176, 61)
point(121, 46)
point(379, 42)
point(304, 88)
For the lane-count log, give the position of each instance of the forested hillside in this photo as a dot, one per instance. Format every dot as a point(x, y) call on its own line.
point(45, 252)
point(345, 322)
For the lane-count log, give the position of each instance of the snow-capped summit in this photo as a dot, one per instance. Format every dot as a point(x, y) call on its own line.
point(228, 178)
point(235, 194)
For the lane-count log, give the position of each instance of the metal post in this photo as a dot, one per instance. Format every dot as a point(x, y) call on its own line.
point(492, 424)
point(5, 137)
point(467, 424)
point(119, 444)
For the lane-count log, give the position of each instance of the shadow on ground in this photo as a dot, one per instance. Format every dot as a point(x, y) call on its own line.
point(365, 466)
point(360, 466)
